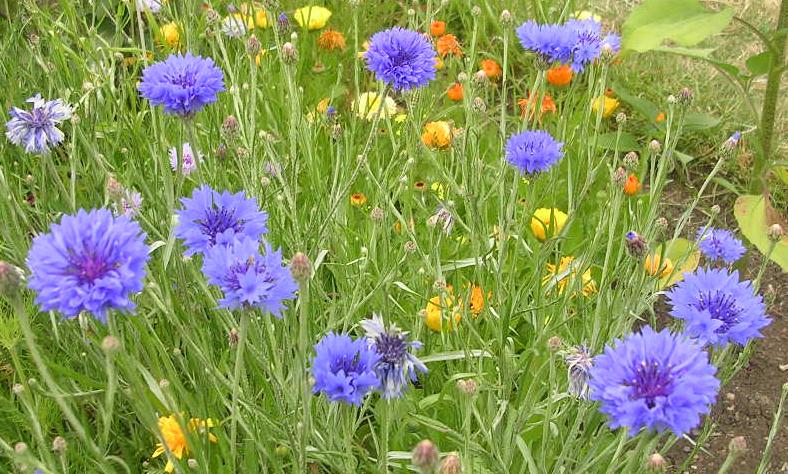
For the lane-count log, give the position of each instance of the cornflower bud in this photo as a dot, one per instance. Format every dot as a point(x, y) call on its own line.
point(636, 245)
point(631, 160)
point(775, 232)
point(289, 53)
point(300, 267)
point(425, 456)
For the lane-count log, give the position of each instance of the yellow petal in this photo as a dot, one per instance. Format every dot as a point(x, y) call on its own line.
point(159, 451)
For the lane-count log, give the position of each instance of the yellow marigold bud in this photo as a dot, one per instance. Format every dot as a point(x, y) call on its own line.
point(547, 220)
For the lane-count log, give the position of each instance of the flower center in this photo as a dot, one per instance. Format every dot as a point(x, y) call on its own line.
point(721, 306)
point(39, 117)
point(184, 79)
point(651, 381)
point(89, 267)
point(217, 221)
point(348, 364)
point(391, 348)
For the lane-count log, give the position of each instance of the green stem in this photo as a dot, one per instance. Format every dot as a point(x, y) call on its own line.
point(383, 451)
point(769, 109)
point(303, 335)
point(239, 361)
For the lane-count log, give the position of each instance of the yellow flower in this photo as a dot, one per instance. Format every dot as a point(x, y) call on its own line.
point(322, 106)
point(654, 266)
point(169, 34)
point(312, 17)
point(434, 313)
point(259, 57)
point(608, 104)
point(368, 104)
point(437, 135)
point(439, 64)
point(175, 439)
point(564, 271)
point(256, 15)
point(547, 220)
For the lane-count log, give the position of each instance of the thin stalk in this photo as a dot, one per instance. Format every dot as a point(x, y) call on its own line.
point(239, 361)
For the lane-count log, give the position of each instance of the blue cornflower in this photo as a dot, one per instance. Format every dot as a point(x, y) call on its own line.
point(402, 58)
point(654, 381)
point(718, 308)
point(248, 278)
point(182, 84)
point(209, 218)
point(588, 42)
point(533, 151)
point(36, 130)
point(343, 368)
point(554, 43)
point(396, 365)
point(579, 361)
point(91, 261)
point(720, 244)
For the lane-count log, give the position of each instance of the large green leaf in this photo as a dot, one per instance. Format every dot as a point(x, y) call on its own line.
point(684, 22)
point(754, 217)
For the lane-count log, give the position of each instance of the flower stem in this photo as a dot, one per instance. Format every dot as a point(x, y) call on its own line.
point(239, 360)
point(303, 334)
point(383, 451)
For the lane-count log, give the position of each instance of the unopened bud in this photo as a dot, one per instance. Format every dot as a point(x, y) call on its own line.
point(59, 445)
point(300, 267)
point(480, 77)
point(11, 278)
point(685, 97)
point(18, 389)
point(636, 245)
point(411, 12)
point(212, 17)
point(672, 99)
point(110, 345)
point(462, 77)
point(621, 118)
point(114, 188)
point(253, 46)
point(631, 160)
point(425, 456)
point(620, 177)
point(230, 127)
point(164, 384)
point(192, 463)
point(715, 209)
point(20, 447)
point(376, 214)
point(775, 232)
point(476, 11)
point(410, 246)
point(468, 387)
point(451, 464)
point(289, 53)
point(232, 337)
point(661, 224)
point(554, 343)
point(656, 463)
point(506, 17)
point(479, 105)
point(655, 146)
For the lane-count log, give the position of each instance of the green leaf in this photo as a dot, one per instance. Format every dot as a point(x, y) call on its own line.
point(626, 142)
point(758, 64)
point(699, 121)
point(754, 216)
point(684, 22)
point(703, 55)
point(683, 157)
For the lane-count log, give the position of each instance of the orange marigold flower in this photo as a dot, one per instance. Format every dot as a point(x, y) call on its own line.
point(358, 199)
point(491, 69)
point(560, 75)
point(331, 40)
point(660, 117)
point(438, 28)
point(455, 92)
point(448, 44)
point(528, 105)
point(477, 299)
point(437, 135)
point(632, 186)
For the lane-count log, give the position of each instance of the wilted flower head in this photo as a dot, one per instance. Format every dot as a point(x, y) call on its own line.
point(720, 244)
point(402, 58)
point(579, 360)
point(396, 364)
point(129, 204)
point(188, 159)
point(718, 308)
point(533, 151)
point(236, 26)
point(91, 261)
point(36, 130)
point(209, 218)
point(654, 381)
point(443, 217)
point(182, 84)
point(248, 278)
point(344, 369)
